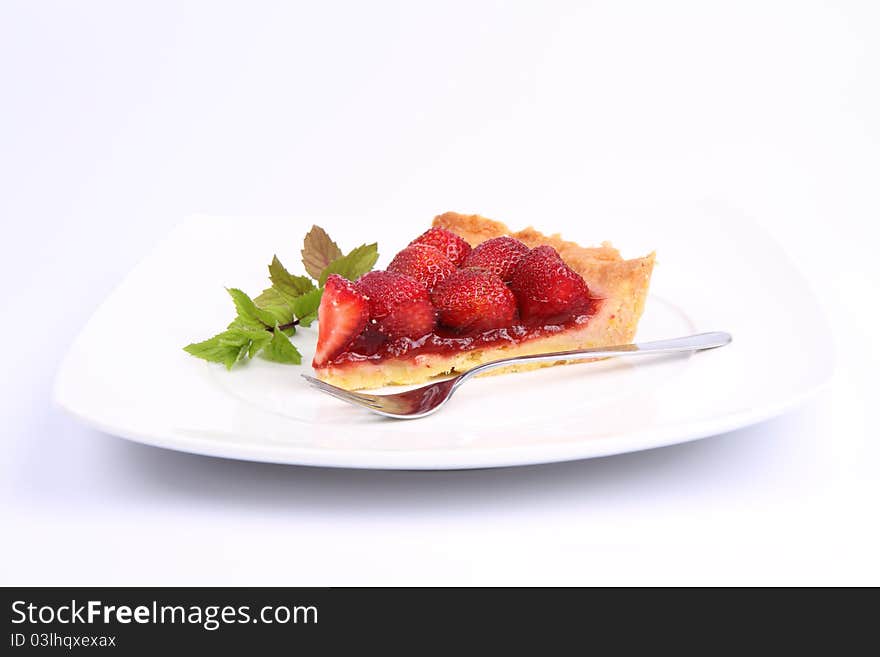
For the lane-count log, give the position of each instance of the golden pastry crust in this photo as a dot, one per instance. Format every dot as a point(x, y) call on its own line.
point(621, 284)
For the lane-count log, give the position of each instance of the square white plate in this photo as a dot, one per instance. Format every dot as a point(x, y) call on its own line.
point(127, 374)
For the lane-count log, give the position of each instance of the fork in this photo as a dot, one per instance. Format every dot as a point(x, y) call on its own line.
point(427, 399)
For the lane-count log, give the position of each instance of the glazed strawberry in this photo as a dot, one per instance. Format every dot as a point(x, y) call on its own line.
point(547, 290)
point(474, 300)
point(455, 248)
point(424, 263)
point(500, 255)
point(342, 316)
point(399, 305)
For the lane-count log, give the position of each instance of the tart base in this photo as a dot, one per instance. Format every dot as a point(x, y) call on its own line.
point(423, 367)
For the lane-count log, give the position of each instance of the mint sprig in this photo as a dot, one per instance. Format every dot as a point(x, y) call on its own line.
point(264, 325)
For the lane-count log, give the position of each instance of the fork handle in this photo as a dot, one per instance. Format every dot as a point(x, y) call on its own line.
point(696, 342)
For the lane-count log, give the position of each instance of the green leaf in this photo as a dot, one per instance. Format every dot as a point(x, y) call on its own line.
point(274, 302)
point(230, 346)
point(249, 315)
point(306, 320)
point(318, 251)
point(282, 299)
point(215, 351)
point(305, 307)
point(280, 349)
point(356, 263)
point(257, 342)
point(286, 283)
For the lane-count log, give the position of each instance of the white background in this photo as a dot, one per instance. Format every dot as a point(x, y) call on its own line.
point(118, 119)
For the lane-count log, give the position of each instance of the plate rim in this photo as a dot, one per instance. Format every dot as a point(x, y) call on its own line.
point(445, 459)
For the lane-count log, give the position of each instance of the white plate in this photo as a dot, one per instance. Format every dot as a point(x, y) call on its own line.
point(126, 373)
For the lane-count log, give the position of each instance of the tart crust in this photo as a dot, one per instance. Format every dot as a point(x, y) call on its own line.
point(622, 285)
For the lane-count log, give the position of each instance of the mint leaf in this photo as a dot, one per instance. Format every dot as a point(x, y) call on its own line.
point(318, 251)
point(230, 346)
point(282, 299)
point(249, 315)
point(290, 297)
point(279, 349)
point(286, 283)
point(357, 262)
point(275, 303)
point(305, 307)
point(215, 350)
point(256, 340)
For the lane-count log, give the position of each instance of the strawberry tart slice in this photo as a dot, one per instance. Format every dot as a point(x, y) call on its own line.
point(470, 291)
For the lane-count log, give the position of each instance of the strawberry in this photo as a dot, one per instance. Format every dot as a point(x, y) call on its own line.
point(474, 300)
point(399, 305)
point(342, 316)
point(424, 263)
point(547, 290)
point(455, 248)
point(500, 255)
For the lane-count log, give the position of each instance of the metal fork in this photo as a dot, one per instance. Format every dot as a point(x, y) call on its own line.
point(428, 399)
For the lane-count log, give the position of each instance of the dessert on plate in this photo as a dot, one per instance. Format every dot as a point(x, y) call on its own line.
point(470, 291)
